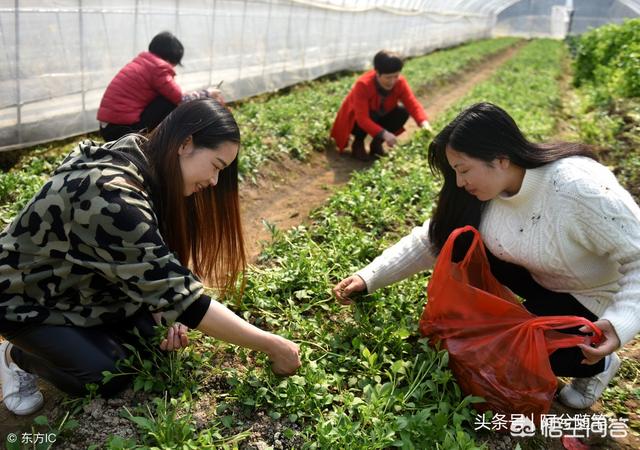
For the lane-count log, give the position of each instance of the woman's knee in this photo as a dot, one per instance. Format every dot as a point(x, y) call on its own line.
point(105, 376)
point(74, 358)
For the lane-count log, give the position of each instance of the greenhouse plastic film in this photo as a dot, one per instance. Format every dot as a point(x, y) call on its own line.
point(60, 55)
point(557, 18)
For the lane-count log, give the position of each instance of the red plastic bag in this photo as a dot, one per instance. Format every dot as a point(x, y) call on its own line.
point(497, 349)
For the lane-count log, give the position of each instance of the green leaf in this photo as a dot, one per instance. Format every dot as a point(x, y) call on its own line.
point(138, 384)
point(41, 420)
point(142, 422)
point(402, 333)
point(227, 421)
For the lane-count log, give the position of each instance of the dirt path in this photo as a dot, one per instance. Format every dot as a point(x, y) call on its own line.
point(286, 194)
point(290, 190)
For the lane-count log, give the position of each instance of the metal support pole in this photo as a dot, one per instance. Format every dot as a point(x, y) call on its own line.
point(380, 27)
point(266, 49)
point(177, 19)
point(17, 60)
point(242, 33)
point(286, 57)
point(82, 84)
point(134, 50)
point(343, 35)
point(322, 29)
point(306, 44)
point(211, 42)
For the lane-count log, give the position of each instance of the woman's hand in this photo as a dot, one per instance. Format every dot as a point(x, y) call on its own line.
point(348, 286)
point(425, 125)
point(389, 138)
point(176, 338)
point(284, 355)
point(609, 344)
point(221, 323)
point(215, 94)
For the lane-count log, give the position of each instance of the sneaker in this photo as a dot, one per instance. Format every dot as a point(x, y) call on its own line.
point(19, 391)
point(376, 148)
point(358, 151)
point(584, 392)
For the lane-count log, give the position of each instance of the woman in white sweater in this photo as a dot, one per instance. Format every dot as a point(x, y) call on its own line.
point(559, 231)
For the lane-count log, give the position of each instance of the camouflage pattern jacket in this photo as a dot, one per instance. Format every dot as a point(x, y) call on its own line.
point(87, 250)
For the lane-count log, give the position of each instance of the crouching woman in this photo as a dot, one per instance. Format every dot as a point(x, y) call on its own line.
point(121, 233)
point(559, 229)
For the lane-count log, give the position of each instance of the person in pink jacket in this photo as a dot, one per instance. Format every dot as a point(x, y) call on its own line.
point(145, 91)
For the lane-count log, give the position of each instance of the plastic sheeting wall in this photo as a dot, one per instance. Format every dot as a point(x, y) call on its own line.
point(533, 18)
point(58, 56)
point(595, 13)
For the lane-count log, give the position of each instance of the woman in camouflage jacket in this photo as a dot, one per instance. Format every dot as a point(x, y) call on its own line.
point(120, 232)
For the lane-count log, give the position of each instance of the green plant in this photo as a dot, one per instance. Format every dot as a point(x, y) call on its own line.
point(154, 370)
point(169, 424)
point(608, 58)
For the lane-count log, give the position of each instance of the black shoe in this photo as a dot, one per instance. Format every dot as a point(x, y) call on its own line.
point(376, 148)
point(358, 151)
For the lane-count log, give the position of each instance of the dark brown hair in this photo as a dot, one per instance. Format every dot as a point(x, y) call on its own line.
point(203, 229)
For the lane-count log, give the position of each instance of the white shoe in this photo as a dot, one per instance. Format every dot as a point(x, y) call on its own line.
point(584, 392)
point(19, 391)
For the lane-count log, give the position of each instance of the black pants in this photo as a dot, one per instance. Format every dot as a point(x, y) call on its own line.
point(70, 357)
point(153, 114)
point(565, 362)
point(393, 121)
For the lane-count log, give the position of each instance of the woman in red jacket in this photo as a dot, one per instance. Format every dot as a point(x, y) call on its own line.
point(144, 92)
point(372, 108)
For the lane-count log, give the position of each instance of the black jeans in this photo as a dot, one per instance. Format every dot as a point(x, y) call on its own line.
point(153, 114)
point(70, 357)
point(565, 362)
point(392, 121)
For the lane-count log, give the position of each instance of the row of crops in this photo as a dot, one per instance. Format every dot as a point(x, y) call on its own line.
point(292, 124)
point(367, 381)
point(607, 104)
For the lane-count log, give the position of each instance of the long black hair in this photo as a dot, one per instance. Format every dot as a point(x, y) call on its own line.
point(483, 131)
point(203, 229)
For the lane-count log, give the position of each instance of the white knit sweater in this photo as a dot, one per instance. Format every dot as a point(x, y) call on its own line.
point(571, 225)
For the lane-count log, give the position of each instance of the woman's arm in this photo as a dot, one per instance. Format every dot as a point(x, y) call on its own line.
point(606, 221)
point(409, 100)
point(360, 98)
point(412, 254)
point(221, 323)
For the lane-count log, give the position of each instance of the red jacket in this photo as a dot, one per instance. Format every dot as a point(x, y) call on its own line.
point(364, 98)
point(135, 86)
